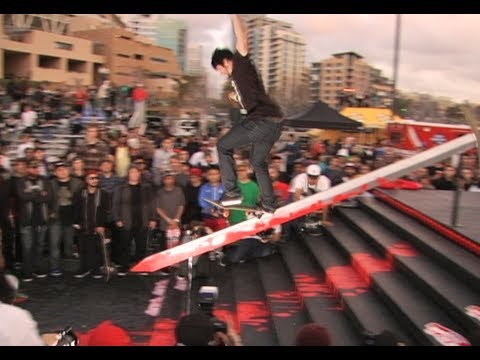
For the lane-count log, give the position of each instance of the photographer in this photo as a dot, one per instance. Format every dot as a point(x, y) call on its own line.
point(199, 330)
point(18, 328)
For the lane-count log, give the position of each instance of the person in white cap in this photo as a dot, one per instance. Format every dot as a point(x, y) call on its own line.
point(308, 183)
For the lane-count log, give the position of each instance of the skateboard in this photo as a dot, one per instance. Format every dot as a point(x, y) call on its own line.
point(173, 237)
point(107, 267)
point(258, 212)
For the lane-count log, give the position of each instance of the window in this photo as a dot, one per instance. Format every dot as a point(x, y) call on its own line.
point(63, 45)
point(138, 56)
point(77, 66)
point(49, 62)
point(123, 55)
point(157, 59)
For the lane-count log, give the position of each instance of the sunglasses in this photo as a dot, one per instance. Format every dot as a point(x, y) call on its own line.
point(93, 178)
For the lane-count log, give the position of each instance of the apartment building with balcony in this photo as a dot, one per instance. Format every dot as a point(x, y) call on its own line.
point(346, 79)
point(130, 61)
point(36, 47)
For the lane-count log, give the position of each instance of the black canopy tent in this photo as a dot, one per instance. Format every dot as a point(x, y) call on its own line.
point(321, 116)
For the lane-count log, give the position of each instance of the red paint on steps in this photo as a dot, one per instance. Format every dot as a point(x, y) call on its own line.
point(286, 303)
point(402, 249)
point(311, 286)
point(253, 313)
point(345, 281)
point(366, 265)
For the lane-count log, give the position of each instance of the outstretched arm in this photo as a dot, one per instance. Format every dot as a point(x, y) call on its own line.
point(240, 34)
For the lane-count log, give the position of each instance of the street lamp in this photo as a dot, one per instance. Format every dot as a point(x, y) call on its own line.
point(395, 61)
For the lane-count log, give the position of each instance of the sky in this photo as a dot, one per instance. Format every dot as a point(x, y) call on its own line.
point(439, 54)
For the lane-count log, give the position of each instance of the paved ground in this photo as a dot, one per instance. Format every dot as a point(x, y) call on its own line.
point(146, 306)
point(85, 303)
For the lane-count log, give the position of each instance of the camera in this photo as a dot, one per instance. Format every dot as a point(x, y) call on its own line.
point(207, 296)
point(68, 337)
point(195, 231)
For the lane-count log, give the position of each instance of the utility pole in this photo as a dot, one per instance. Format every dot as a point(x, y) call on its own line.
point(398, 22)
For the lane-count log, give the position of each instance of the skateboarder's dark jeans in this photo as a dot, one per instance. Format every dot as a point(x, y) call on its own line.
point(261, 134)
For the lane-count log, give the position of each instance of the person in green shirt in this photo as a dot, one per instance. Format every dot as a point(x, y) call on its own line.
point(250, 192)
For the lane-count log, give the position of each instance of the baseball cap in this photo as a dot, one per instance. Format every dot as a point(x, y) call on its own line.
point(196, 172)
point(33, 164)
point(342, 152)
point(109, 334)
point(313, 170)
point(168, 173)
point(60, 164)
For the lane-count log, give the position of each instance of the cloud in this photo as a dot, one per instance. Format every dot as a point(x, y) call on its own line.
point(438, 53)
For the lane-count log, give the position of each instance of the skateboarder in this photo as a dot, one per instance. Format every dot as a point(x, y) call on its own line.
point(261, 127)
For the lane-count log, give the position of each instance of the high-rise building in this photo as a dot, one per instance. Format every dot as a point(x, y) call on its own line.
point(142, 24)
point(315, 73)
point(246, 18)
point(194, 60)
point(278, 52)
point(172, 34)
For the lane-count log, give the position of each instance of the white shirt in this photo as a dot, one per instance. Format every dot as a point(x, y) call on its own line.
point(22, 147)
point(301, 182)
point(214, 153)
point(29, 118)
point(17, 327)
point(198, 159)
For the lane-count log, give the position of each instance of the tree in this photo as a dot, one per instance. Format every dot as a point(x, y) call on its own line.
point(402, 107)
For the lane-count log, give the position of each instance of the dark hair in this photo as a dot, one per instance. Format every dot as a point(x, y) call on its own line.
point(313, 335)
point(213, 167)
point(194, 330)
point(219, 55)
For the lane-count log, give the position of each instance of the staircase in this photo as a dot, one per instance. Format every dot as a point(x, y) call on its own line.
point(376, 269)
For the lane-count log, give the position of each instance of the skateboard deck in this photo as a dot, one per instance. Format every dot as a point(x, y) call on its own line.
point(107, 267)
point(256, 210)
